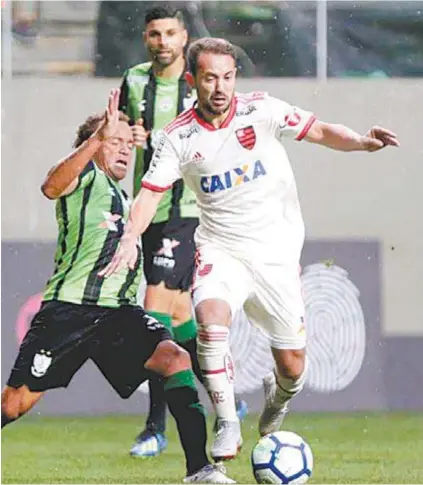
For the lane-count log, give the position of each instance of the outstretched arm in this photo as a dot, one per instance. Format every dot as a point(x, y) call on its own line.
point(62, 179)
point(162, 173)
point(339, 137)
point(141, 214)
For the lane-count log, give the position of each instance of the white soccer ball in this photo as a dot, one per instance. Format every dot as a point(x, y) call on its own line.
point(282, 457)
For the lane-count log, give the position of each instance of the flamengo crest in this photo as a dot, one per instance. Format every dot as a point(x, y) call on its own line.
point(247, 137)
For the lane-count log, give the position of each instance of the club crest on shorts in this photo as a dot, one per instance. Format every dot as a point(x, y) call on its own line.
point(41, 363)
point(205, 270)
point(247, 137)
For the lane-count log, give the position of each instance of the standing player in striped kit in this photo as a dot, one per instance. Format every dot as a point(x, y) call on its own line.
point(153, 94)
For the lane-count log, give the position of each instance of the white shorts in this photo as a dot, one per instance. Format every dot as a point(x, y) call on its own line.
point(269, 293)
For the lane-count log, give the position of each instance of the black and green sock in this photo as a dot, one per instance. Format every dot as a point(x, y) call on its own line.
point(186, 336)
point(182, 398)
point(156, 421)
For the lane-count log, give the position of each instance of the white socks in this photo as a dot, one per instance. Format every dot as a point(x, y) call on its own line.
point(287, 388)
point(215, 358)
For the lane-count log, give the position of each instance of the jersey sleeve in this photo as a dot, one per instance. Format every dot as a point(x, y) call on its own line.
point(289, 121)
point(85, 178)
point(164, 167)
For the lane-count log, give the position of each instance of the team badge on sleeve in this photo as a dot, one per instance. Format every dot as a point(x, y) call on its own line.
point(293, 119)
point(247, 137)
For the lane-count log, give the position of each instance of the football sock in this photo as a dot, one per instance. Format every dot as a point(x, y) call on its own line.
point(186, 336)
point(287, 388)
point(156, 421)
point(163, 318)
point(182, 398)
point(218, 370)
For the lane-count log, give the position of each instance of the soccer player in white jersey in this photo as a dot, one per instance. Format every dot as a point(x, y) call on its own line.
point(229, 150)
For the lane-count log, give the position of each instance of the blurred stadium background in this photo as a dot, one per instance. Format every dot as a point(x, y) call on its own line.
point(355, 62)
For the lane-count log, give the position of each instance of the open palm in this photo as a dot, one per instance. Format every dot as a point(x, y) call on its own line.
point(111, 116)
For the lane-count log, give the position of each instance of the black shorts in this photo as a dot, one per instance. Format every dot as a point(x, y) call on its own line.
point(63, 336)
point(169, 252)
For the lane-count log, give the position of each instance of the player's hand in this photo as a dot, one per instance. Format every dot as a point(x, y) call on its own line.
point(139, 133)
point(109, 125)
point(377, 138)
point(125, 257)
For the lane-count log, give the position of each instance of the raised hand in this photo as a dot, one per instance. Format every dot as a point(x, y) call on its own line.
point(377, 138)
point(109, 125)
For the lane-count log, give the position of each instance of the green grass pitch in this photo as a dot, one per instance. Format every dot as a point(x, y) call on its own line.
point(347, 448)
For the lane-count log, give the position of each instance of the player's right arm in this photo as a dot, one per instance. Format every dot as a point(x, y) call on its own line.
point(63, 178)
point(162, 173)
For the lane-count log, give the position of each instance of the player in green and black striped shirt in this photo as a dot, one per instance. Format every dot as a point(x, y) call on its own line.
point(153, 94)
point(84, 316)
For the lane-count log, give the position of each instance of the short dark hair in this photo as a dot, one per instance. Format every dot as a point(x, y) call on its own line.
point(89, 126)
point(212, 45)
point(165, 11)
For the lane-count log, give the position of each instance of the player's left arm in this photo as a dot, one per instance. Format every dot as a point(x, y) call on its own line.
point(342, 138)
point(294, 122)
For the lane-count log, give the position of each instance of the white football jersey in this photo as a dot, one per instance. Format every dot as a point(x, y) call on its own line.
point(240, 174)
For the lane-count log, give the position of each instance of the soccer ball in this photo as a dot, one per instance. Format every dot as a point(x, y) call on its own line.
point(282, 457)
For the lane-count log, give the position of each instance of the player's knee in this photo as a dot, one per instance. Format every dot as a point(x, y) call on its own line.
point(213, 312)
point(291, 363)
point(168, 358)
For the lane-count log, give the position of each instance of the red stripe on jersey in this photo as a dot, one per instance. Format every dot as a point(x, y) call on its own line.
point(307, 126)
point(154, 188)
point(180, 120)
point(225, 124)
point(180, 117)
point(249, 97)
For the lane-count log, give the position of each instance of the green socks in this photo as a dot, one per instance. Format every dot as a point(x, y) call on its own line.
point(182, 399)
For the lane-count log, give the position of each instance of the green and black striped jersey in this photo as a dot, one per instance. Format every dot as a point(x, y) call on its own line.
point(158, 101)
point(91, 222)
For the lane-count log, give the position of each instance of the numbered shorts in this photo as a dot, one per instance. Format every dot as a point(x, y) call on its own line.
point(63, 336)
point(270, 294)
point(169, 252)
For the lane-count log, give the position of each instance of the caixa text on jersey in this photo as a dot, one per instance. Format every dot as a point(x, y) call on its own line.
point(232, 178)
